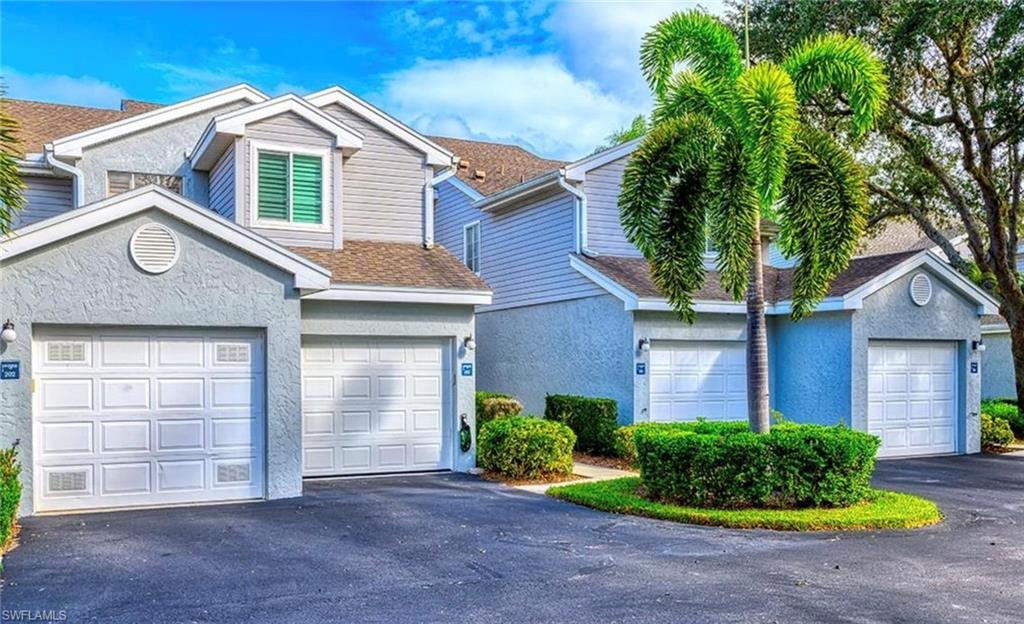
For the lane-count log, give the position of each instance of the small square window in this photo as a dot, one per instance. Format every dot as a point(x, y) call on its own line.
point(123, 181)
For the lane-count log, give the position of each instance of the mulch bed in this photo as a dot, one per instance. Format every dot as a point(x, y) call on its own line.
point(490, 475)
point(616, 463)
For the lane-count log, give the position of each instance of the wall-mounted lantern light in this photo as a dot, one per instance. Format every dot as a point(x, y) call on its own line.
point(469, 343)
point(644, 345)
point(978, 345)
point(8, 334)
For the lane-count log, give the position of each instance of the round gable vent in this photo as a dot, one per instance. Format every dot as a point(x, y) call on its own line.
point(921, 289)
point(154, 248)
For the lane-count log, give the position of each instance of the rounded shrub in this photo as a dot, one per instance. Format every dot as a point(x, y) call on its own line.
point(593, 420)
point(526, 448)
point(720, 466)
point(497, 407)
point(625, 446)
point(1004, 409)
point(995, 432)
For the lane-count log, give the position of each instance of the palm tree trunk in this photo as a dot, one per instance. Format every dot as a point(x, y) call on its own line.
point(757, 344)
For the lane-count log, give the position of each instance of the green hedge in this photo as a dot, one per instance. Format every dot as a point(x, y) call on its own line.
point(593, 420)
point(995, 432)
point(526, 448)
point(625, 446)
point(10, 495)
point(1006, 410)
point(794, 466)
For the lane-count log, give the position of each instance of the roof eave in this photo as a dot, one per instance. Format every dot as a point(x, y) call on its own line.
point(518, 192)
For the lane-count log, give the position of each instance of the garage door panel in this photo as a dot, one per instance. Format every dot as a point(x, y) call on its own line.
point(387, 413)
point(190, 408)
point(690, 380)
point(911, 397)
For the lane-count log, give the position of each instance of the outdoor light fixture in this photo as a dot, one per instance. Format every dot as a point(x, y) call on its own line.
point(645, 345)
point(469, 343)
point(976, 345)
point(8, 334)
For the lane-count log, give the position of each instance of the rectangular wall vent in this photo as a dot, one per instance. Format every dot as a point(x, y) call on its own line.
point(67, 481)
point(232, 473)
point(65, 351)
point(232, 353)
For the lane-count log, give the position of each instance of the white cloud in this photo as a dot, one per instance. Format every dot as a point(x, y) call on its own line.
point(533, 101)
point(601, 40)
point(223, 65)
point(80, 90)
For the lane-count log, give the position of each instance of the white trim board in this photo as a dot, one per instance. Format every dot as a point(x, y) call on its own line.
point(470, 192)
point(307, 274)
point(70, 147)
point(853, 300)
point(401, 294)
point(577, 171)
point(435, 154)
point(223, 129)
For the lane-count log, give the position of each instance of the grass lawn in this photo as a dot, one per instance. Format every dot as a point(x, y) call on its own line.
point(882, 510)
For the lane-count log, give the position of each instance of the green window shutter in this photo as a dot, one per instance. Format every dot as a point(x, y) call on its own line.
point(273, 186)
point(307, 190)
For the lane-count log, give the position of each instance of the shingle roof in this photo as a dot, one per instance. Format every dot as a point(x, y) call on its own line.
point(502, 165)
point(896, 236)
point(409, 265)
point(634, 274)
point(42, 122)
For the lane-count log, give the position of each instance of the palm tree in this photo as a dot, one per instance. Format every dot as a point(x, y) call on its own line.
point(727, 149)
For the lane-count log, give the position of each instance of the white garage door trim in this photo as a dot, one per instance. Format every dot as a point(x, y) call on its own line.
point(691, 379)
point(376, 405)
point(140, 417)
point(912, 397)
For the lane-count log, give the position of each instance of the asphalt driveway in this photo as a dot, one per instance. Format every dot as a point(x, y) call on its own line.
point(452, 547)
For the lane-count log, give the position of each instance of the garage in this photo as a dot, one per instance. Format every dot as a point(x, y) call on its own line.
point(691, 380)
point(912, 397)
point(128, 417)
point(379, 405)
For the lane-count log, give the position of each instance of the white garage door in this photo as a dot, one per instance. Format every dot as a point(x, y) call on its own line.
point(130, 417)
point(912, 397)
point(375, 406)
point(691, 380)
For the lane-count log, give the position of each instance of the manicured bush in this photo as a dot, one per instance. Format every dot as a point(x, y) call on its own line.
point(493, 405)
point(625, 446)
point(10, 495)
point(995, 432)
point(593, 420)
point(794, 466)
point(1006, 410)
point(526, 448)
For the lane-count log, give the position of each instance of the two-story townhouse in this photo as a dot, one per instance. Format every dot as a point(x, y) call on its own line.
point(212, 300)
point(893, 349)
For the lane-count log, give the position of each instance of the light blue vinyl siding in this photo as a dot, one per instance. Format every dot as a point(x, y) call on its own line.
point(222, 185)
point(604, 231)
point(44, 198)
point(524, 251)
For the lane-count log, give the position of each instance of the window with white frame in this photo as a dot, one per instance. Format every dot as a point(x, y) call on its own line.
point(471, 246)
point(123, 181)
point(290, 188)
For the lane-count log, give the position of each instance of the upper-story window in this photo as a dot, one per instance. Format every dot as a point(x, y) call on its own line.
point(471, 246)
point(123, 181)
point(290, 189)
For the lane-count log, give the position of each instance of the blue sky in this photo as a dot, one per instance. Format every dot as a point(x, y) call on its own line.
point(555, 77)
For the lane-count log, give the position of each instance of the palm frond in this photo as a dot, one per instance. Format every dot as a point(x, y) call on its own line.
point(690, 93)
point(681, 144)
point(732, 216)
point(846, 65)
point(692, 37)
point(824, 212)
point(766, 113)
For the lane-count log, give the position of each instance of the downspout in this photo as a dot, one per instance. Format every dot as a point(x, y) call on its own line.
point(77, 188)
point(581, 216)
point(428, 224)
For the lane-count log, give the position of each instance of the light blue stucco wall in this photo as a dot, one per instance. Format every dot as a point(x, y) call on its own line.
point(811, 372)
point(90, 280)
point(997, 380)
point(583, 346)
point(890, 314)
point(161, 149)
point(453, 323)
